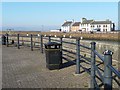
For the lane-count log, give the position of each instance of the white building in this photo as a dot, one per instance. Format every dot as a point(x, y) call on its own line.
point(85, 25)
point(66, 27)
point(56, 30)
point(91, 25)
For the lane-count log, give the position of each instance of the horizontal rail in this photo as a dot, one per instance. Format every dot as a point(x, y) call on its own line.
point(69, 42)
point(13, 35)
point(114, 70)
point(68, 51)
point(71, 56)
point(99, 73)
point(96, 85)
point(85, 46)
point(36, 42)
point(69, 60)
point(45, 37)
point(55, 40)
point(89, 60)
point(101, 58)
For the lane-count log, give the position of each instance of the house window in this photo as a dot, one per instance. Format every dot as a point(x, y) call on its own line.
point(103, 30)
point(93, 25)
point(106, 29)
point(103, 25)
point(106, 25)
point(99, 25)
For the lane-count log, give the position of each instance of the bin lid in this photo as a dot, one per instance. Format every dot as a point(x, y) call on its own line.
point(52, 44)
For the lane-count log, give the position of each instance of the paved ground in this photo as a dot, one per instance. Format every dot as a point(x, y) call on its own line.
point(26, 69)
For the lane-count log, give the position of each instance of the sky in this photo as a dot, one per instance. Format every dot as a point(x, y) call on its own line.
point(51, 15)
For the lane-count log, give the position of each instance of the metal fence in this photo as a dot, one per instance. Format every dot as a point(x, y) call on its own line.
point(94, 71)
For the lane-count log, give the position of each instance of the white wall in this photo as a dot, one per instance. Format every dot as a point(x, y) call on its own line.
point(109, 26)
point(86, 26)
point(65, 28)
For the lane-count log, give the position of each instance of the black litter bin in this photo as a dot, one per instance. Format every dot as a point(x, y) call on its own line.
point(53, 55)
point(12, 42)
point(3, 40)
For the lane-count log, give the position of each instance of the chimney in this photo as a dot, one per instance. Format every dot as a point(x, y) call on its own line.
point(73, 20)
point(83, 19)
point(65, 21)
point(107, 20)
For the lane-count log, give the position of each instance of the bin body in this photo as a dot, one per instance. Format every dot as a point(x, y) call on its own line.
point(53, 55)
point(3, 40)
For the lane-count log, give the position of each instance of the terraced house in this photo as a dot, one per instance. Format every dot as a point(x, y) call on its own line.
point(75, 26)
point(92, 25)
point(88, 25)
point(66, 26)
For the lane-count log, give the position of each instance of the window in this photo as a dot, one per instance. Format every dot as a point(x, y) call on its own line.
point(106, 25)
point(99, 25)
point(103, 25)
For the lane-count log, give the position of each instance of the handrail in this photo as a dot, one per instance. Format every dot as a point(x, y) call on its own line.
point(99, 73)
point(101, 58)
point(114, 70)
point(69, 42)
point(55, 40)
point(85, 46)
point(106, 60)
point(69, 51)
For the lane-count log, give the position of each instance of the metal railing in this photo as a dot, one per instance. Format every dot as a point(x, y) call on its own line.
point(106, 59)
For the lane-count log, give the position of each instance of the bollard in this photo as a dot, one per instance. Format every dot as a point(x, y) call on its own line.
point(31, 36)
point(7, 41)
point(77, 56)
point(18, 46)
point(49, 38)
point(107, 70)
point(41, 43)
point(93, 61)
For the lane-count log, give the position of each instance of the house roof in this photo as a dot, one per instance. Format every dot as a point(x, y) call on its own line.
point(76, 24)
point(101, 22)
point(87, 21)
point(67, 23)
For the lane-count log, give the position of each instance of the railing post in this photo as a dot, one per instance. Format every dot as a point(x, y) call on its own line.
point(61, 47)
point(41, 43)
point(49, 38)
point(31, 36)
point(7, 41)
point(61, 44)
point(78, 56)
point(22, 41)
point(107, 70)
point(18, 46)
point(93, 61)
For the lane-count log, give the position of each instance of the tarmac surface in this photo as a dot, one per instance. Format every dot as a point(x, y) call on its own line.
point(23, 68)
